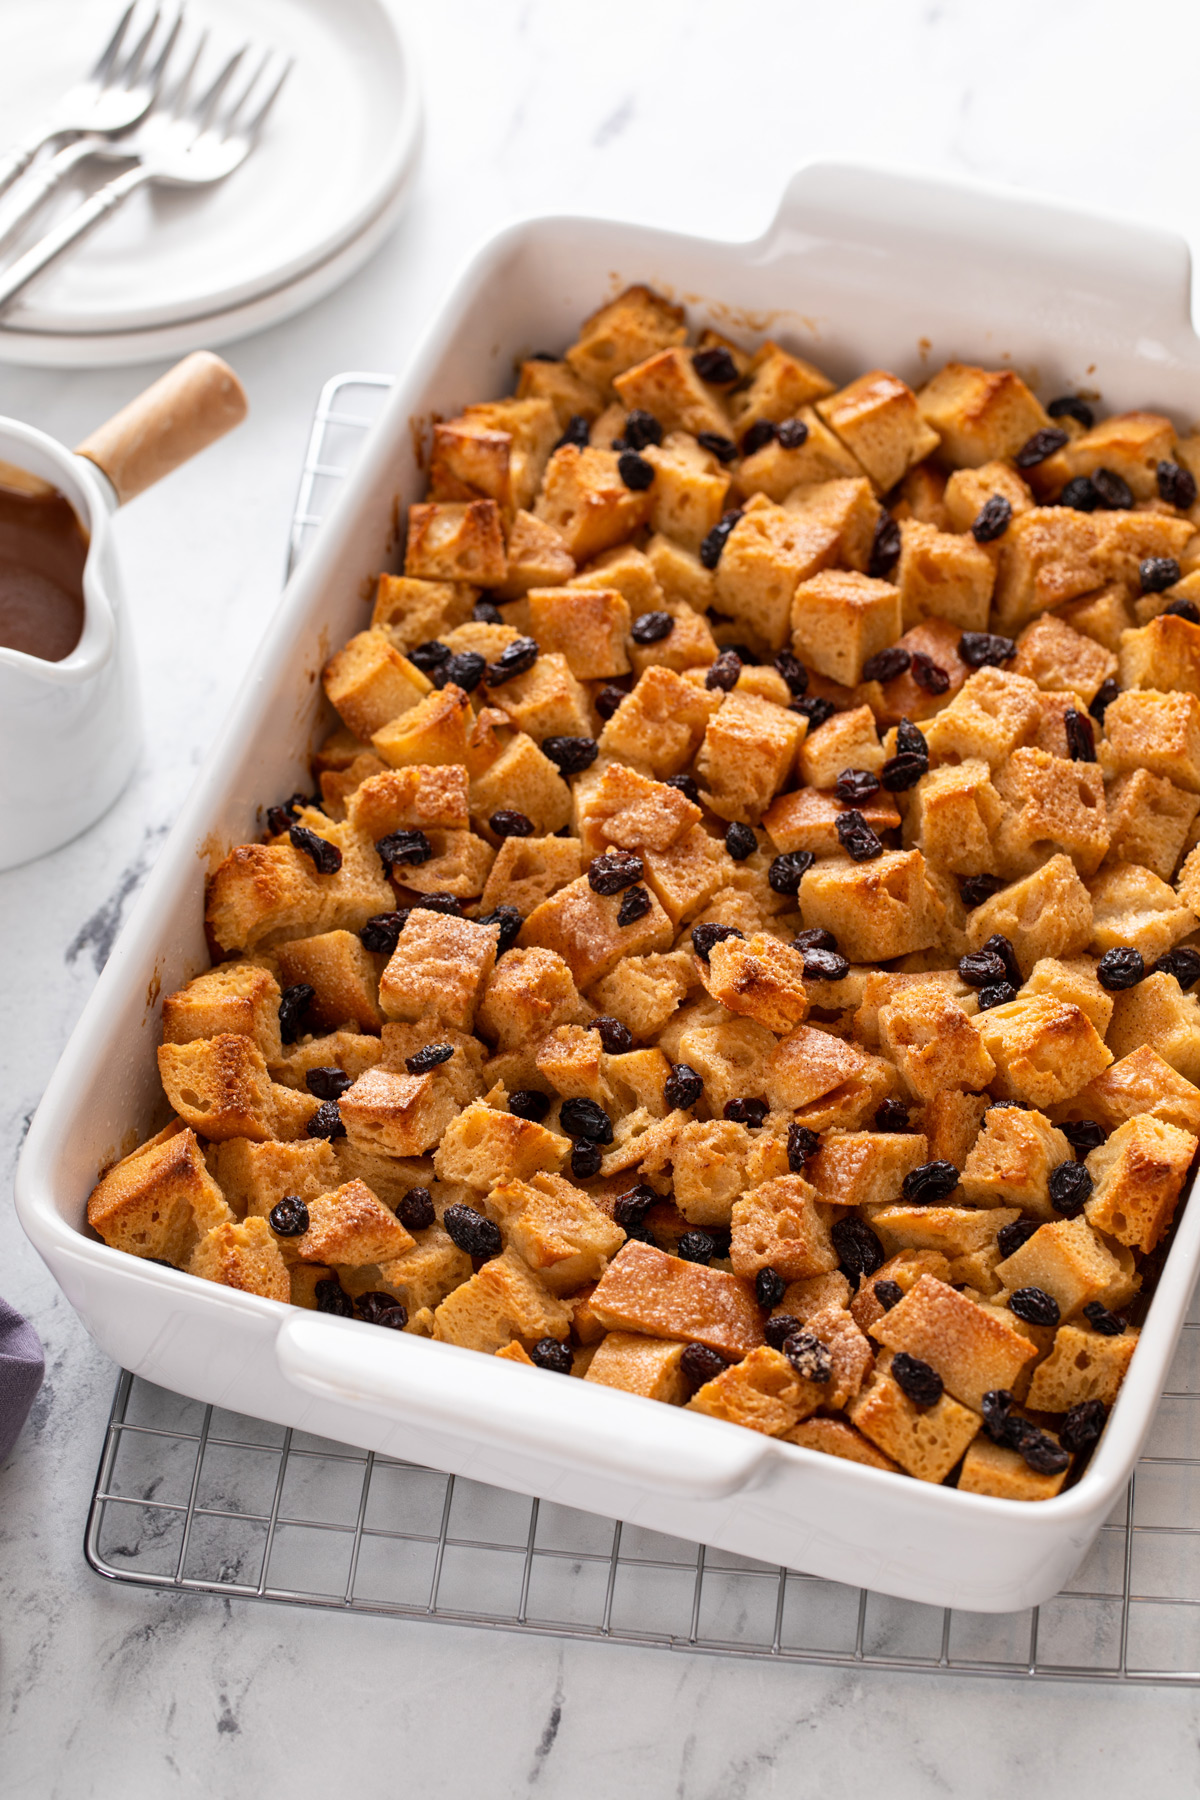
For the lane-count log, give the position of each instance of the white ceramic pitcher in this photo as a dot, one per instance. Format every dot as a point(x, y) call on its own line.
point(70, 731)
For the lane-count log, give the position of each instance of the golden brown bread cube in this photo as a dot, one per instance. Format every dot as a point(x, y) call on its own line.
point(159, 1200)
point(434, 731)
point(398, 1114)
point(253, 1177)
point(568, 393)
point(350, 1050)
point(1139, 1175)
point(1139, 1083)
point(1131, 906)
point(523, 778)
point(925, 1441)
point(993, 715)
point(667, 385)
point(839, 618)
point(943, 575)
point(236, 997)
point(824, 1081)
point(748, 754)
point(624, 332)
point(1067, 1261)
point(220, 1086)
point(262, 894)
point(422, 1276)
point(343, 977)
point(350, 1226)
point(1050, 805)
point(483, 1146)
point(953, 815)
point(759, 978)
point(989, 1468)
point(546, 701)
point(848, 507)
point(849, 740)
point(1048, 913)
point(864, 1168)
point(1083, 1365)
point(932, 1042)
point(643, 992)
point(412, 612)
point(710, 1163)
point(421, 796)
point(951, 1123)
point(1056, 657)
point(877, 418)
point(438, 969)
point(1165, 654)
point(537, 558)
point(503, 1301)
point(370, 683)
point(780, 385)
point(1131, 444)
point(730, 1055)
point(1149, 820)
point(877, 910)
point(529, 992)
point(903, 697)
point(629, 810)
point(645, 1290)
point(243, 1256)
point(642, 1365)
point(587, 625)
point(1101, 616)
point(582, 928)
point(769, 551)
point(953, 1231)
point(527, 870)
point(1049, 556)
point(1044, 1050)
point(1011, 1161)
point(774, 472)
point(980, 415)
point(834, 1437)
point(968, 491)
point(584, 498)
point(1158, 1013)
point(806, 819)
point(560, 1232)
point(763, 1392)
point(781, 1224)
point(495, 451)
point(1159, 732)
point(660, 725)
point(456, 541)
point(338, 785)
point(971, 1350)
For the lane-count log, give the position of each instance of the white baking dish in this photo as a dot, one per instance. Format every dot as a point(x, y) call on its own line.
point(859, 269)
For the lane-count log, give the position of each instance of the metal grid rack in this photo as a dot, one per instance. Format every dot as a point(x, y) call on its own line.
point(194, 1499)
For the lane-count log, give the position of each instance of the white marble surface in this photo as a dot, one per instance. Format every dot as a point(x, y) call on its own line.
point(683, 112)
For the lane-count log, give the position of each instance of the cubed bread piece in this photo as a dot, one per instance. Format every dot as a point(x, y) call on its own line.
point(1050, 805)
point(434, 731)
point(848, 507)
point(370, 683)
point(350, 1050)
point(644, 992)
point(1067, 1261)
point(262, 894)
point(904, 697)
point(514, 1352)
point(690, 486)
point(582, 927)
point(779, 385)
point(645, 1290)
point(763, 1393)
point(537, 558)
point(988, 1468)
point(627, 571)
point(759, 978)
point(243, 1256)
point(235, 998)
point(834, 1437)
point(1139, 1083)
point(925, 1441)
point(807, 818)
point(624, 332)
point(993, 715)
point(352, 1227)
point(456, 541)
point(560, 1232)
point(1158, 1013)
point(1049, 556)
point(1144, 729)
point(766, 554)
point(1131, 444)
point(219, 1086)
point(1044, 1050)
point(781, 1224)
point(877, 910)
point(681, 576)
point(503, 1300)
point(338, 785)
point(1057, 658)
point(980, 415)
point(496, 450)
point(689, 644)
point(660, 725)
point(1130, 905)
point(954, 1231)
point(943, 575)
point(748, 754)
point(397, 1114)
point(421, 796)
point(528, 994)
point(776, 471)
point(255, 1177)
point(968, 491)
point(630, 811)
point(522, 778)
point(1102, 616)
point(851, 1354)
point(839, 618)
point(1139, 1174)
point(584, 498)
point(881, 986)
point(1083, 1365)
point(438, 969)
point(342, 975)
point(814, 1296)
point(413, 612)
point(877, 418)
point(825, 1081)
point(422, 1276)
point(710, 1161)
point(483, 1146)
point(932, 1042)
point(569, 1062)
point(905, 1269)
point(587, 625)
point(529, 870)
point(1048, 913)
point(1011, 1161)
point(953, 815)
point(950, 1122)
point(1149, 821)
point(864, 1168)
point(160, 1200)
point(648, 1366)
point(849, 740)
point(546, 701)
point(971, 1350)
point(730, 1055)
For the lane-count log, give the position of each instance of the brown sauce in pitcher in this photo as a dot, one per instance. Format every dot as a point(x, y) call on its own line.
point(43, 549)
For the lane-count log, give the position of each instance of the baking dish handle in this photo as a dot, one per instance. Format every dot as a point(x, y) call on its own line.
point(459, 1393)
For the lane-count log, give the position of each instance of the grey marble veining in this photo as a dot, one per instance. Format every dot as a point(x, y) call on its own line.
point(681, 112)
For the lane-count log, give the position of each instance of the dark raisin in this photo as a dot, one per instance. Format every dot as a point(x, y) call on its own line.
point(854, 785)
point(814, 937)
point(809, 1357)
point(792, 434)
point(1108, 1324)
point(651, 627)
point(929, 675)
point(326, 1122)
point(404, 847)
point(438, 903)
point(910, 739)
point(686, 786)
point(614, 871)
point(279, 822)
point(631, 1208)
point(1070, 406)
point(1120, 969)
point(1042, 444)
point(527, 1103)
point(758, 436)
point(584, 1118)
point(856, 837)
point(486, 612)
point(814, 709)
point(1183, 964)
point(1040, 1451)
point(891, 1115)
point(1115, 493)
point(1183, 609)
point(570, 755)
point(1011, 1237)
point(978, 888)
point(1083, 1425)
point(858, 1249)
point(1106, 693)
point(327, 1084)
point(922, 1384)
point(549, 1353)
point(902, 772)
point(428, 655)
point(616, 1037)
point(700, 1364)
point(980, 967)
point(471, 1232)
point(888, 1294)
point(430, 1056)
point(1081, 495)
point(996, 993)
point(1157, 572)
point(746, 1111)
point(778, 1330)
point(769, 1288)
point(294, 1002)
point(608, 699)
point(379, 1308)
point(331, 1297)
point(740, 841)
point(1081, 736)
point(509, 921)
point(715, 541)
point(464, 670)
point(1083, 1135)
point(288, 1217)
point(578, 432)
point(1035, 1306)
point(381, 933)
point(635, 904)
point(635, 471)
point(1009, 1106)
point(885, 665)
point(825, 965)
point(695, 1247)
point(1176, 485)
point(885, 547)
point(723, 674)
point(992, 520)
point(1070, 1186)
point(930, 1183)
point(1002, 947)
point(715, 366)
point(788, 871)
point(415, 1211)
point(509, 823)
point(985, 649)
point(802, 1145)
point(723, 448)
point(997, 1408)
point(326, 857)
point(515, 659)
point(586, 1158)
point(793, 671)
point(642, 428)
point(704, 936)
point(683, 1087)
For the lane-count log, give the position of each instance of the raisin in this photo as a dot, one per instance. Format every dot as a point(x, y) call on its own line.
point(814, 937)
point(825, 965)
point(695, 1247)
point(929, 675)
point(1106, 693)
point(985, 649)
point(930, 1183)
point(527, 1103)
point(700, 1364)
point(381, 933)
point(723, 448)
point(922, 1384)
point(1010, 1237)
point(279, 823)
point(813, 708)
point(1176, 485)
point(1115, 493)
point(379, 1308)
point(1070, 406)
point(415, 1211)
point(515, 659)
point(980, 967)
point(326, 1122)
point(428, 655)
point(740, 841)
point(1083, 1425)
point(885, 547)
point(793, 671)
point(888, 1294)
point(856, 837)
point(288, 1217)
point(1183, 609)
point(1039, 1450)
point(327, 1084)
point(996, 1408)
point(326, 857)
point(1080, 494)
point(1034, 1305)
point(809, 1357)
point(858, 1249)
point(1042, 444)
point(992, 520)
point(853, 785)
point(1070, 1186)
point(704, 936)
point(885, 665)
point(510, 922)
point(1120, 969)
point(1083, 1135)
point(910, 740)
point(635, 471)
point(778, 1330)
point(608, 699)
point(635, 904)
point(616, 1037)
point(631, 1208)
point(1081, 736)
point(716, 366)
point(331, 1297)
point(486, 612)
point(724, 672)
point(570, 755)
point(549, 1353)
point(758, 436)
point(471, 1232)
point(1002, 947)
point(900, 773)
point(509, 823)
point(586, 1159)
point(578, 432)
point(404, 847)
point(430, 1056)
point(1183, 964)
point(1157, 572)
point(746, 1111)
point(464, 670)
point(891, 1115)
point(294, 1002)
point(613, 872)
point(996, 993)
point(642, 428)
point(686, 785)
point(792, 434)
point(802, 1145)
point(683, 1087)
point(583, 1118)
point(1108, 1324)
point(439, 903)
point(788, 871)
point(651, 627)
point(978, 888)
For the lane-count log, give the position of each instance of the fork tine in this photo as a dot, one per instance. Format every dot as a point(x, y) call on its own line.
point(158, 67)
point(107, 56)
point(174, 98)
point(131, 67)
point(203, 109)
point(253, 125)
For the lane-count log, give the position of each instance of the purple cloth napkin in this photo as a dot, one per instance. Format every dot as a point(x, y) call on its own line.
point(21, 1369)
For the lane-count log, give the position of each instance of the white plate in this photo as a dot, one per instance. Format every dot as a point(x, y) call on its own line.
point(302, 211)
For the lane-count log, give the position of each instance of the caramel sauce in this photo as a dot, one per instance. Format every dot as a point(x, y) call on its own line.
point(43, 549)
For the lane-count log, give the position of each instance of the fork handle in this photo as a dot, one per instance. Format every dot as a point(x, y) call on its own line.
point(39, 183)
point(98, 206)
point(14, 162)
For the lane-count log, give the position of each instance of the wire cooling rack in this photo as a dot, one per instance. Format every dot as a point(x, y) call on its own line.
point(192, 1498)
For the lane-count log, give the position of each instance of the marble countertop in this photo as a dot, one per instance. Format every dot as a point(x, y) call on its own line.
point(679, 112)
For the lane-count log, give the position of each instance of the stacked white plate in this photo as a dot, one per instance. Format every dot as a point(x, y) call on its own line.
point(176, 268)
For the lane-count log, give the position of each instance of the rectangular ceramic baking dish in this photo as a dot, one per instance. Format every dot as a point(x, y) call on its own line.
point(859, 269)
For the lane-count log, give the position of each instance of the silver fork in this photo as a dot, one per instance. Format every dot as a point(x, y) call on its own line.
point(184, 142)
point(111, 97)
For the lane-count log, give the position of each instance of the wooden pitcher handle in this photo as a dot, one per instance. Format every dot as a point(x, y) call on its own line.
point(188, 408)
